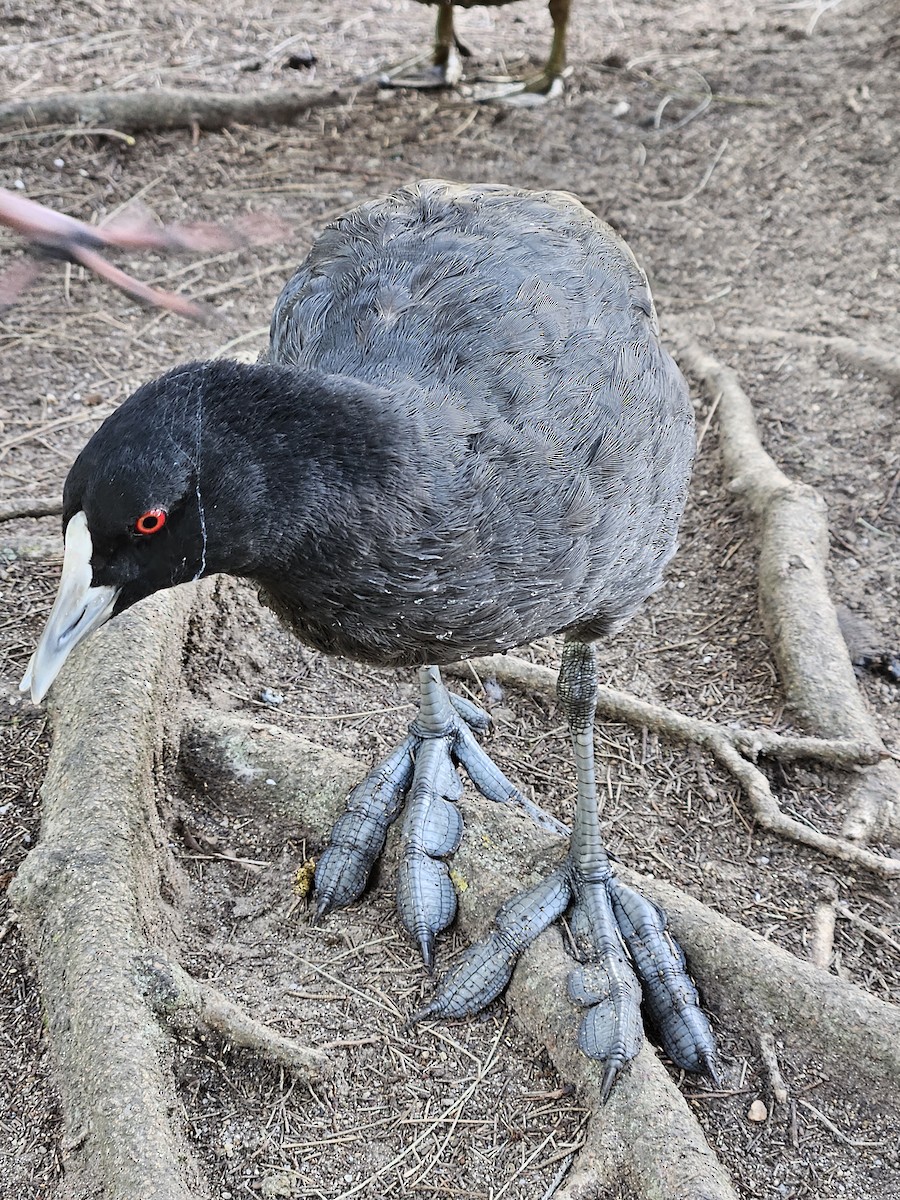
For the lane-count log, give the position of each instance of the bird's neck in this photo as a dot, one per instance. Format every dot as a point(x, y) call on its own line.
point(307, 462)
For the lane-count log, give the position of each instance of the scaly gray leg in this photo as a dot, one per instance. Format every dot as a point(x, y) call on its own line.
point(424, 766)
point(613, 927)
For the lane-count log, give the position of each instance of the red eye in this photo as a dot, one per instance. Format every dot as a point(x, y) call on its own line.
point(151, 521)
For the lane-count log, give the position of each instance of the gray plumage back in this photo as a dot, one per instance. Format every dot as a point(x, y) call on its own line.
point(549, 433)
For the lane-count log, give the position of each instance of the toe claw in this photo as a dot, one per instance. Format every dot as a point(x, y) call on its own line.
point(711, 1067)
point(609, 1078)
point(426, 899)
point(426, 949)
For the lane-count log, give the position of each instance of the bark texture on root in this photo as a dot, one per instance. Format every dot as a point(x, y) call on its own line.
point(646, 1136)
point(735, 749)
point(89, 898)
point(871, 357)
point(798, 614)
point(162, 108)
point(87, 894)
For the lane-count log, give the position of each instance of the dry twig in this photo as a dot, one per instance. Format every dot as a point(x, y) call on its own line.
point(33, 506)
point(769, 1054)
point(822, 940)
point(175, 994)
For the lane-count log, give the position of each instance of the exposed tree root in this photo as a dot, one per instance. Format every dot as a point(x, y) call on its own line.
point(161, 108)
point(800, 619)
point(729, 747)
point(33, 506)
point(192, 1002)
point(871, 357)
point(806, 640)
point(87, 896)
point(748, 981)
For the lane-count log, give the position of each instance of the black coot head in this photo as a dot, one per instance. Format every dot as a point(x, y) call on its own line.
point(133, 515)
point(138, 483)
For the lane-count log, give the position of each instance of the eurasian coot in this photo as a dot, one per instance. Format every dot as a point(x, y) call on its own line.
point(465, 435)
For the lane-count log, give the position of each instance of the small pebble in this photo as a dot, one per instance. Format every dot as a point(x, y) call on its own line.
point(274, 1186)
point(757, 1112)
point(268, 696)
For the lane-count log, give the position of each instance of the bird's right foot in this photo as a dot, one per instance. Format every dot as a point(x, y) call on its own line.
point(623, 955)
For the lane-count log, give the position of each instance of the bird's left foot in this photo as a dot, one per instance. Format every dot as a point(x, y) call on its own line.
point(421, 774)
point(623, 954)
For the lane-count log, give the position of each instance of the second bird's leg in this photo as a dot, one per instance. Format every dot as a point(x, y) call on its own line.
point(446, 62)
point(550, 82)
point(420, 775)
point(616, 930)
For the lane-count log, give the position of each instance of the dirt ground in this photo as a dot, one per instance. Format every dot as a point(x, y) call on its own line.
point(748, 154)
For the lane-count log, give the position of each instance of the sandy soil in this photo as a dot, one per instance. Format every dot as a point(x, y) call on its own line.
point(748, 155)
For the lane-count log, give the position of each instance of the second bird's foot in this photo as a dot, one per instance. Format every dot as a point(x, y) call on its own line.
point(521, 93)
point(608, 981)
point(421, 779)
